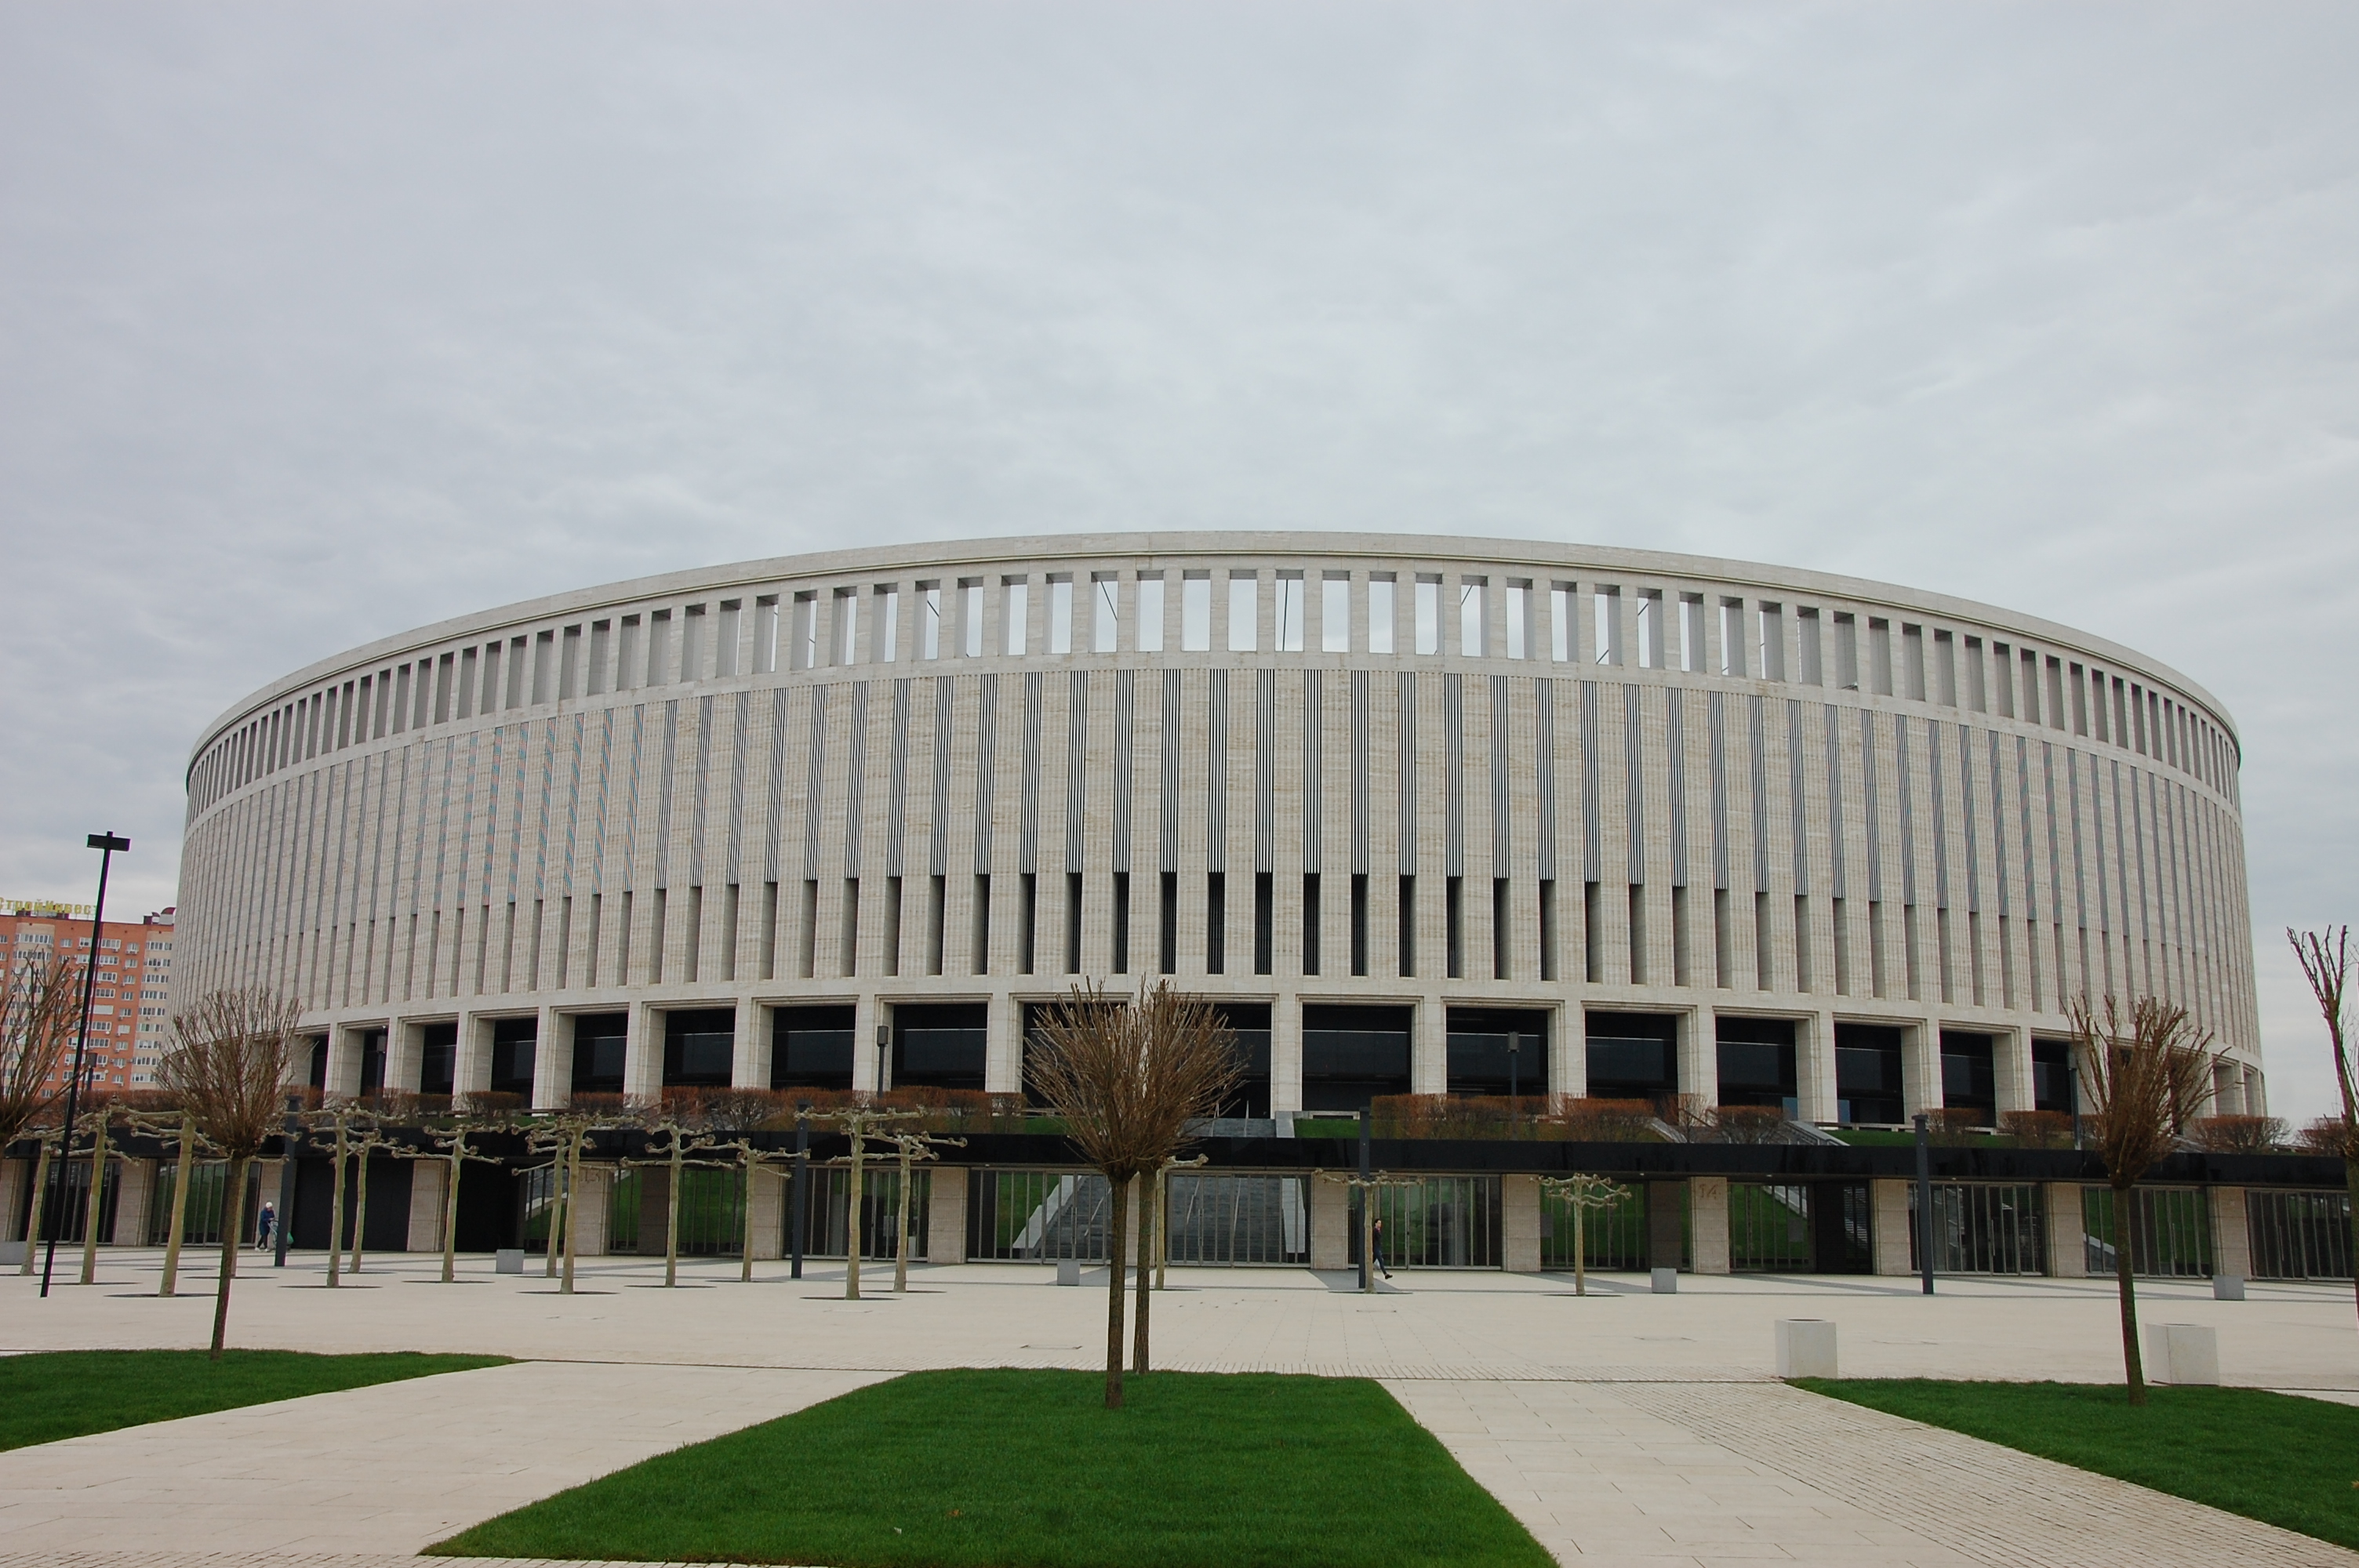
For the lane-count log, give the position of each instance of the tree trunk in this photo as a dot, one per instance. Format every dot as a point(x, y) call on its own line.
point(556, 1216)
point(40, 1207)
point(2124, 1285)
point(232, 1214)
point(671, 1217)
point(450, 1213)
point(336, 1212)
point(359, 1209)
point(1368, 1239)
point(745, 1242)
point(1579, 1253)
point(171, 1284)
point(1117, 1272)
point(901, 1231)
point(95, 1206)
point(1147, 1222)
point(572, 1162)
point(2350, 1186)
point(852, 1227)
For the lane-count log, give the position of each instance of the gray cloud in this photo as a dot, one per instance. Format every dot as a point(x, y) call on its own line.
point(320, 323)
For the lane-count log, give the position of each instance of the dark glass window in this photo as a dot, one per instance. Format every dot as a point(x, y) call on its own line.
point(438, 1058)
point(600, 1045)
point(1498, 1051)
point(372, 1060)
point(2051, 1076)
point(1867, 1074)
point(811, 1047)
point(1633, 1055)
point(1352, 1055)
point(699, 1048)
point(1249, 1022)
point(941, 1046)
point(1969, 1074)
point(319, 1062)
point(514, 1041)
point(1756, 1063)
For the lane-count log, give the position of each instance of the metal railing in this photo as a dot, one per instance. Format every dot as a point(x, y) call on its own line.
point(1438, 1222)
point(2298, 1235)
point(2170, 1231)
point(1225, 1219)
point(1983, 1227)
point(1770, 1227)
point(1036, 1215)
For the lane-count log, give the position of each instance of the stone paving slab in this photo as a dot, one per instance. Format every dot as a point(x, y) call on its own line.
point(392, 1467)
point(1682, 1476)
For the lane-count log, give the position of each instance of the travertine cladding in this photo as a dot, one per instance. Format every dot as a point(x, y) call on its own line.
point(1774, 793)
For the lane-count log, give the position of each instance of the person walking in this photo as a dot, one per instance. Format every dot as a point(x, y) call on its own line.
point(265, 1224)
point(1379, 1236)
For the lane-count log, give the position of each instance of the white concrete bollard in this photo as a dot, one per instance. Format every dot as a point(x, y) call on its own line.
point(1068, 1271)
point(1666, 1282)
point(2182, 1353)
point(2227, 1287)
point(1806, 1348)
point(12, 1252)
point(509, 1260)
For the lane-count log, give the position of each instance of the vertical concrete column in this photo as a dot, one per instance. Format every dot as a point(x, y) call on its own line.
point(869, 1012)
point(1920, 1066)
point(1331, 1224)
point(552, 1060)
point(1520, 1223)
point(2011, 1060)
point(344, 1061)
point(2232, 1236)
point(946, 1216)
point(589, 1209)
point(1698, 1048)
point(1814, 1066)
point(749, 1062)
point(1429, 1066)
point(137, 1195)
point(2068, 1249)
point(766, 1193)
point(1708, 1222)
point(1568, 1052)
point(1888, 1196)
point(1003, 1057)
point(643, 1053)
point(427, 1194)
point(1286, 1052)
point(472, 1072)
point(403, 1054)
point(14, 1175)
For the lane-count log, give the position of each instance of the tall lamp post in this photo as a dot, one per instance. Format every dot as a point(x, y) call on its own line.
point(106, 844)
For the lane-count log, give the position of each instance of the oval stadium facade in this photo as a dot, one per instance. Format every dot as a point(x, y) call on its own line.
point(1423, 815)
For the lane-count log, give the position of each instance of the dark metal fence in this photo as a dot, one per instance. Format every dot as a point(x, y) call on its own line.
point(2298, 1235)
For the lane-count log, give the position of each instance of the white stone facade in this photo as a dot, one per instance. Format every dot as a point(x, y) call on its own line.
point(1644, 783)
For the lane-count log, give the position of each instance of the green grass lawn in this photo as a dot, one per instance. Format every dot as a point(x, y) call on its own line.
point(1026, 1469)
point(67, 1393)
point(2277, 1457)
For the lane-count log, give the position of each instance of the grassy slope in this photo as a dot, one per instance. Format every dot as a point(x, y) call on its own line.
point(68, 1393)
point(2278, 1457)
point(1024, 1469)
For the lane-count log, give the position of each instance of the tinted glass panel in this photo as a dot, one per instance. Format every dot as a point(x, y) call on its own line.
point(599, 1040)
point(1497, 1051)
point(1351, 1055)
point(437, 1062)
point(941, 1046)
point(699, 1048)
point(513, 1043)
point(811, 1048)
point(1756, 1063)
point(1633, 1055)
point(1867, 1074)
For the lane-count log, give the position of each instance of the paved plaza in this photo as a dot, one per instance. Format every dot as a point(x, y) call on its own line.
point(1620, 1427)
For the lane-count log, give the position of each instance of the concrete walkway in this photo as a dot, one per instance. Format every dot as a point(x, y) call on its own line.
point(1623, 1428)
point(390, 1468)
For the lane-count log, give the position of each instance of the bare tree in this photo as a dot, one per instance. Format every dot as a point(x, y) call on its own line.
point(345, 1119)
point(448, 1147)
point(2147, 1070)
point(1159, 1226)
point(46, 1142)
point(1129, 1080)
point(179, 1125)
point(863, 1126)
point(1581, 1194)
point(562, 1133)
point(912, 1147)
point(369, 1137)
point(39, 1006)
point(680, 1141)
point(1368, 1186)
point(97, 1120)
point(228, 1060)
point(2326, 964)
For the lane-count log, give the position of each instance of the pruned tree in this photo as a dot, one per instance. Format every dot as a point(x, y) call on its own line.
point(1580, 1193)
point(563, 1134)
point(1159, 1227)
point(180, 1127)
point(1367, 1187)
point(750, 1157)
point(679, 1141)
point(1129, 1080)
point(2326, 964)
point(368, 1137)
point(228, 1060)
point(46, 1141)
point(96, 1123)
point(912, 1148)
point(39, 1006)
point(347, 1119)
point(862, 1125)
point(448, 1148)
point(2146, 1069)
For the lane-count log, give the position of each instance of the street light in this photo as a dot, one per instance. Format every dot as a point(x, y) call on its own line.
point(106, 844)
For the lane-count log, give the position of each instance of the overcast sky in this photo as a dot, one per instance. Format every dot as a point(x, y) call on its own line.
point(322, 322)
